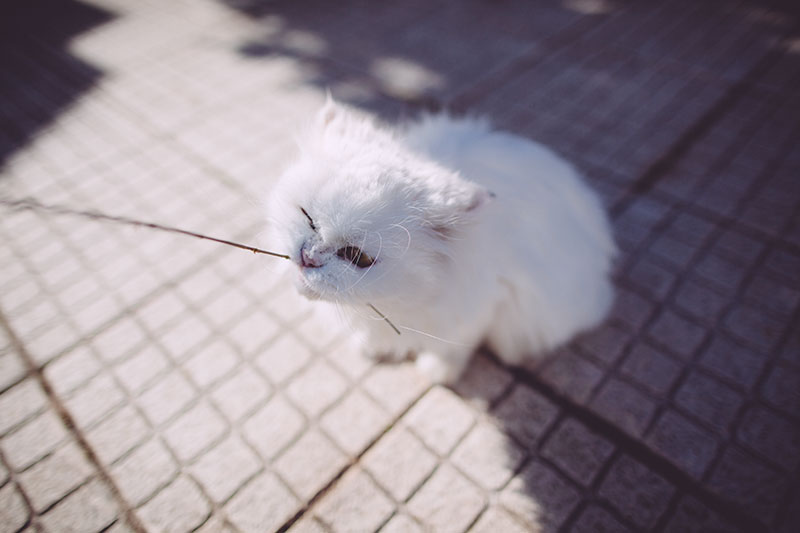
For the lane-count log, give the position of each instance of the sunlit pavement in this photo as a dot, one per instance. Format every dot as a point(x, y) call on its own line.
point(153, 382)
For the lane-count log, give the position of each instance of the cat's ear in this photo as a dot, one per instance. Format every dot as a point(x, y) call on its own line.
point(459, 206)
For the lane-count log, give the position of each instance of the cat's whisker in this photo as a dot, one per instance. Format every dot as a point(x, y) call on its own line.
point(440, 339)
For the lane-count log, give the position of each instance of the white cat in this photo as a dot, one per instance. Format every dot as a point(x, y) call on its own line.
point(457, 233)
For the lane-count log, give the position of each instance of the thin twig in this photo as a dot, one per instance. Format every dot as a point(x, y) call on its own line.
point(29, 203)
point(35, 205)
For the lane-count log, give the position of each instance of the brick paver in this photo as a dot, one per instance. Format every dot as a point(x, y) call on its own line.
point(150, 382)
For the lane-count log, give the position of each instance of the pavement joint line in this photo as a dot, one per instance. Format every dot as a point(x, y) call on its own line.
point(661, 166)
point(71, 426)
point(309, 505)
point(637, 450)
point(12, 479)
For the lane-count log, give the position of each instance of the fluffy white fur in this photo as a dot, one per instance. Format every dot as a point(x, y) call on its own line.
point(478, 236)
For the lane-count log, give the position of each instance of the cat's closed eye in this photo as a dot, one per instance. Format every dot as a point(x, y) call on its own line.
point(356, 256)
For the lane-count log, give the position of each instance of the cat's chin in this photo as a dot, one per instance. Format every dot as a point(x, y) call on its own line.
point(305, 289)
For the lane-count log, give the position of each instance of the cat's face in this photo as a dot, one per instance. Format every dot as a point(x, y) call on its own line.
point(363, 219)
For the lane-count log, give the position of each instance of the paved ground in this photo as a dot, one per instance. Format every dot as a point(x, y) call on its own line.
point(151, 382)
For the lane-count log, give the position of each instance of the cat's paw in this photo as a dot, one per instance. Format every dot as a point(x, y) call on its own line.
point(438, 369)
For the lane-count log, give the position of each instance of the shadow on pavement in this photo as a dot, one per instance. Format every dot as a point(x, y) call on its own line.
point(40, 76)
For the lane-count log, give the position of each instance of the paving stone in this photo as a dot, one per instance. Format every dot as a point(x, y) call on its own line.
point(399, 462)
point(72, 370)
point(630, 308)
point(772, 296)
point(144, 471)
point(11, 369)
point(20, 403)
point(354, 504)
point(178, 507)
point(651, 368)
point(310, 463)
point(606, 344)
point(283, 358)
point(709, 400)
point(483, 382)
point(224, 309)
point(273, 427)
point(727, 275)
point(624, 405)
point(783, 265)
point(90, 508)
point(440, 419)
point(193, 431)
point(55, 476)
point(683, 442)
point(34, 440)
point(158, 313)
point(166, 398)
point(354, 422)
point(447, 501)
point(264, 504)
point(223, 469)
point(673, 251)
point(782, 388)
point(487, 456)
point(350, 360)
point(754, 328)
point(401, 523)
point(252, 332)
point(94, 400)
point(183, 338)
point(120, 526)
point(316, 388)
point(141, 369)
point(770, 435)
point(691, 516)
point(526, 415)
point(572, 374)
point(240, 393)
point(116, 435)
point(701, 302)
point(395, 386)
point(748, 482)
point(678, 335)
point(317, 331)
point(119, 340)
point(577, 450)
point(215, 524)
point(540, 496)
point(652, 279)
point(496, 519)
point(13, 511)
point(791, 515)
point(211, 363)
point(738, 247)
point(595, 519)
point(639, 494)
point(732, 362)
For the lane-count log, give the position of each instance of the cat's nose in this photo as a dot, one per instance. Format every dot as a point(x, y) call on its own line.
point(307, 260)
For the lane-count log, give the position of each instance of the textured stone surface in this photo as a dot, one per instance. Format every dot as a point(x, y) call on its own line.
point(639, 494)
point(577, 450)
point(217, 399)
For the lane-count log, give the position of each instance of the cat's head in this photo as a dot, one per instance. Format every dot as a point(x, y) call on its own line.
point(362, 217)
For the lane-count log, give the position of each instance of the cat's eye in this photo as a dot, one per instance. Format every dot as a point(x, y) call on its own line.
point(356, 256)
